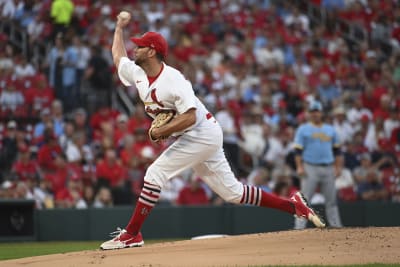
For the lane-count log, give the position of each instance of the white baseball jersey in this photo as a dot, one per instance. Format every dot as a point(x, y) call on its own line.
point(170, 91)
point(199, 147)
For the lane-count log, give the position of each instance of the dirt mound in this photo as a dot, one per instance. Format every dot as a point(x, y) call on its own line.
point(311, 246)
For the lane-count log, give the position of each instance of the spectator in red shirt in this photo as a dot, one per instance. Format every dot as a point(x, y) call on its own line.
point(139, 119)
point(193, 193)
point(62, 172)
point(383, 110)
point(49, 152)
point(142, 140)
point(111, 170)
point(25, 168)
point(40, 95)
point(71, 195)
point(104, 115)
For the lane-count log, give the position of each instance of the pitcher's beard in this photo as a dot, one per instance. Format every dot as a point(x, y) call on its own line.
point(139, 62)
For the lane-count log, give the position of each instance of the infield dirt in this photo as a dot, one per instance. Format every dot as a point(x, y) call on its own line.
point(305, 247)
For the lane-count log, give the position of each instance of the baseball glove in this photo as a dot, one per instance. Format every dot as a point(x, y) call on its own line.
point(161, 119)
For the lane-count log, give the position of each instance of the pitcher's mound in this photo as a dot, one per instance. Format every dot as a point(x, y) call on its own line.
point(306, 247)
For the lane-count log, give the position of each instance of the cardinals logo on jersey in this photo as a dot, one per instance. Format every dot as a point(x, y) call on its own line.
point(156, 106)
point(154, 97)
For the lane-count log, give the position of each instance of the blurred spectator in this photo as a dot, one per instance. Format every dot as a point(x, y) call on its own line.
point(54, 63)
point(171, 191)
point(80, 121)
point(226, 117)
point(25, 168)
point(372, 188)
point(296, 18)
point(61, 173)
point(6, 189)
point(57, 114)
point(111, 170)
point(121, 129)
point(66, 138)
point(193, 193)
point(366, 165)
point(291, 98)
point(327, 91)
point(11, 100)
point(374, 133)
point(23, 68)
point(49, 152)
point(279, 145)
point(260, 177)
point(39, 96)
point(9, 8)
point(252, 130)
point(21, 191)
point(281, 189)
point(345, 186)
point(358, 112)
point(103, 198)
point(343, 128)
point(270, 55)
point(83, 56)
point(139, 119)
point(352, 151)
point(7, 59)
point(71, 195)
point(9, 148)
point(78, 151)
point(88, 195)
point(69, 62)
point(46, 122)
point(391, 122)
point(99, 75)
point(38, 29)
point(61, 13)
point(104, 116)
point(281, 118)
point(283, 182)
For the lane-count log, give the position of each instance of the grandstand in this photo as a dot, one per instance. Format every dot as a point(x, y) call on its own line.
point(71, 136)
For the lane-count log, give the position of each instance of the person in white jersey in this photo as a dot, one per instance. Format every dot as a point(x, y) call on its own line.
point(199, 145)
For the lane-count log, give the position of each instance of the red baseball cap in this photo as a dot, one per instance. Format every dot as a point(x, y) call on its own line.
point(153, 40)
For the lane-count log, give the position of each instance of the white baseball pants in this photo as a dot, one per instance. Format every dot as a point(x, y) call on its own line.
point(199, 149)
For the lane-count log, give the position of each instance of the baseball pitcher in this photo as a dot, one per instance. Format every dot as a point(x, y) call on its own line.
point(165, 91)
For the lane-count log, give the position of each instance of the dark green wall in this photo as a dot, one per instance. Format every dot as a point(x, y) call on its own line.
point(186, 222)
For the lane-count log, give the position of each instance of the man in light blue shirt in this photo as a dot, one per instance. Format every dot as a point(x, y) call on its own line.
point(318, 162)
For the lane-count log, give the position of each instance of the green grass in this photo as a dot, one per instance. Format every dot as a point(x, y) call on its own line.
point(16, 250)
point(27, 249)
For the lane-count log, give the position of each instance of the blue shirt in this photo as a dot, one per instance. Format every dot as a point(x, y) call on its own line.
point(317, 143)
point(69, 69)
point(40, 127)
point(328, 94)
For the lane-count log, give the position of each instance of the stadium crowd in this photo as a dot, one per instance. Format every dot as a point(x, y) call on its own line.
point(254, 63)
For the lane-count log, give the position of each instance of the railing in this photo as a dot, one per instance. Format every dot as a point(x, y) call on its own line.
point(16, 35)
point(123, 99)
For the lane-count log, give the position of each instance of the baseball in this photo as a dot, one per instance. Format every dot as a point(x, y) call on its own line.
point(125, 15)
